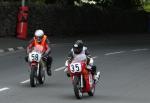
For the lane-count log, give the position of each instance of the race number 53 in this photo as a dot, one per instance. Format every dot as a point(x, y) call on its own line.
point(75, 67)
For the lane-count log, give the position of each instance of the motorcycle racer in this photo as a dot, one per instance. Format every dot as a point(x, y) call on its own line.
point(80, 48)
point(41, 39)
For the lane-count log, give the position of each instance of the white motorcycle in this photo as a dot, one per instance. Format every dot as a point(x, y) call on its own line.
point(37, 66)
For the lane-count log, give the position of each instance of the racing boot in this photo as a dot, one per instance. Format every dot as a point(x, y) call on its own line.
point(48, 64)
point(26, 58)
point(49, 73)
point(97, 76)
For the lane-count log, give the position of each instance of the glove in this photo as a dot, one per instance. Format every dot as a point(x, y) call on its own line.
point(66, 69)
point(26, 58)
point(89, 67)
point(91, 61)
point(29, 50)
point(66, 63)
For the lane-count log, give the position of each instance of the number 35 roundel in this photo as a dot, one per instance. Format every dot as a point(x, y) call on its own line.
point(75, 67)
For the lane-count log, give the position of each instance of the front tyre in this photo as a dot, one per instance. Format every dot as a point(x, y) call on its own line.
point(77, 88)
point(33, 80)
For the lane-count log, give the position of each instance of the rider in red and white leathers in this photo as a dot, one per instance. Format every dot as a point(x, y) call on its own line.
point(78, 49)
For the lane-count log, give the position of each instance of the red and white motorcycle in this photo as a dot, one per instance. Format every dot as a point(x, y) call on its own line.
point(37, 66)
point(82, 78)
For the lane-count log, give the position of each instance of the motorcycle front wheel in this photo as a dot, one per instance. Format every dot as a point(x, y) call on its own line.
point(33, 80)
point(77, 87)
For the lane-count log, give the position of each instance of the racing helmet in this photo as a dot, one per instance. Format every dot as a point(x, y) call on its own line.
point(39, 35)
point(78, 47)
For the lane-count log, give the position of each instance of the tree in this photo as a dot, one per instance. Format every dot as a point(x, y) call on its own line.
point(50, 1)
point(65, 3)
point(127, 4)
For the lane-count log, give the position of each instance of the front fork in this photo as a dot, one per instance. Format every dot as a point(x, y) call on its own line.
point(35, 66)
point(91, 80)
point(38, 67)
point(81, 81)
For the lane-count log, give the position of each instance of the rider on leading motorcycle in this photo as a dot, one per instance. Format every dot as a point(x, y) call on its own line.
point(41, 39)
point(80, 48)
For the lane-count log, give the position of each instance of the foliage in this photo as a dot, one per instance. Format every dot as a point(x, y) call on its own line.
point(122, 4)
point(146, 5)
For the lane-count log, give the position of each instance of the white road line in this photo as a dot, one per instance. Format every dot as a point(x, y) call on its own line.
point(3, 89)
point(135, 50)
point(26, 81)
point(114, 53)
point(58, 69)
point(1, 50)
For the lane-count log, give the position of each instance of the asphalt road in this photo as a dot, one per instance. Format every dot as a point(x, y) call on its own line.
point(125, 75)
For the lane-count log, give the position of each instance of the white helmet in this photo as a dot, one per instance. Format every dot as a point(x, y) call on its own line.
point(39, 35)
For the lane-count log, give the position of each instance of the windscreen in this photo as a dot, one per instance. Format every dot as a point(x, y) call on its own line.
point(79, 58)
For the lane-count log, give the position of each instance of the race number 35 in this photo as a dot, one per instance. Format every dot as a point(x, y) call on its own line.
point(75, 67)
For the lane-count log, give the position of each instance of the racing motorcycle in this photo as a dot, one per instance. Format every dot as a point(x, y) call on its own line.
point(82, 78)
point(37, 66)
